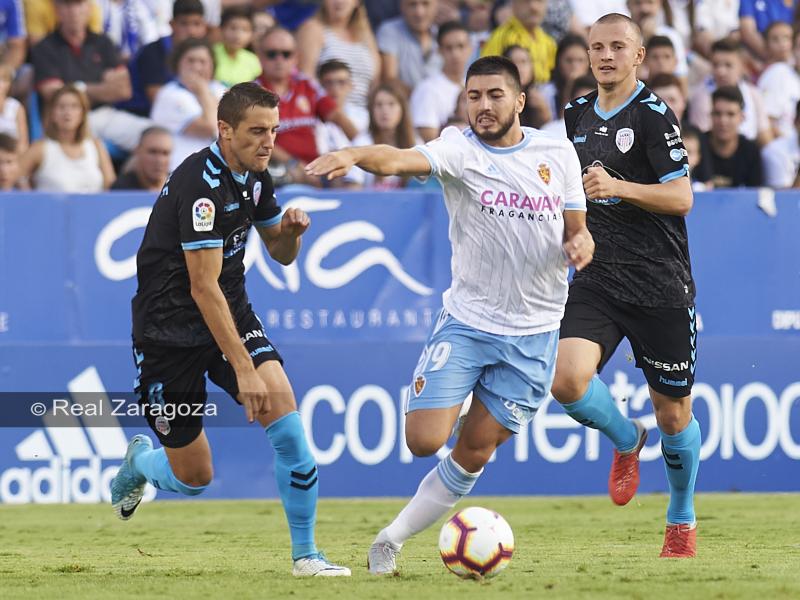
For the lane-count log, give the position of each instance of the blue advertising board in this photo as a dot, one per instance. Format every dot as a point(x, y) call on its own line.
point(350, 316)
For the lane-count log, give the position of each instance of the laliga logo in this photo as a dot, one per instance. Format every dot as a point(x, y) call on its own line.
point(318, 251)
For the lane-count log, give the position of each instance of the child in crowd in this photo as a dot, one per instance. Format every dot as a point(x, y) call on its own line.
point(236, 64)
point(9, 163)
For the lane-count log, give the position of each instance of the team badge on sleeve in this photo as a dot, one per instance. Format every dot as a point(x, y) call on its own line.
point(544, 173)
point(256, 192)
point(625, 139)
point(203, 214)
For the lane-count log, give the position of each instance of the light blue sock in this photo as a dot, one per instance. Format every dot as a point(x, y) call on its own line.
point(597, 409)
point(681, 460)
point(154, 465)
point(455, 478)
point(296, 474)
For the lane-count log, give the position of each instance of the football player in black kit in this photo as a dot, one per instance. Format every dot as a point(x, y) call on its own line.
point(192, 317)
point(639, 285)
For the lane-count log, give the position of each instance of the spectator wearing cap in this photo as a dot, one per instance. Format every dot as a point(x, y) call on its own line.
point(435, 98)
point(302, 105)
point(408, 43)
point(149, 68)
point(524, 28)
point(235, 63)
point(187, 106)
point(73, 54)
point(755, 16)
point(340, 31)
point(781, 158)
point(12, 34)
point(151, 160)
point(735, 160)
point(9, 163)
point(68, 159)
point(779, 83)
point(728, 70)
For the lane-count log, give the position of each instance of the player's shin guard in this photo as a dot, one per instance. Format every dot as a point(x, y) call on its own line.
point(296, 474)
point(681, 459)
point(438, 492)
point(597, 409)
point(154, 465)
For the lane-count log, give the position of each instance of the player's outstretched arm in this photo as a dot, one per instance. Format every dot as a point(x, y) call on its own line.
point(205, 266)
point(578, 242)
point(379, 159)
point(672, 197)
point(283, 240)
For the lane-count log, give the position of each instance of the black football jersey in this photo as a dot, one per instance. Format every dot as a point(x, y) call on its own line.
point(202, 205)
point(641, 257)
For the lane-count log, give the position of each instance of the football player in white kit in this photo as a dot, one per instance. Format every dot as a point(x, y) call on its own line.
point(517, 218)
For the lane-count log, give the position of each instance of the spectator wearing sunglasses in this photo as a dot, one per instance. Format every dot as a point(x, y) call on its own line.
point(303, 104)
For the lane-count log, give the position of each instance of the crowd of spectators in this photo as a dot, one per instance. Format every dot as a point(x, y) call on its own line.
point(113, 94)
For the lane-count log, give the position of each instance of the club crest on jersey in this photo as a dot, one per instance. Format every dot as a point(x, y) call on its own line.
point(625, 139)
point(203, 215)
point(162, 425)
point(256, 192)
point(544, 173)
point(419, 385)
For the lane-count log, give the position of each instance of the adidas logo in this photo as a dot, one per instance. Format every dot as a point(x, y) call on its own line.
point(73, 452)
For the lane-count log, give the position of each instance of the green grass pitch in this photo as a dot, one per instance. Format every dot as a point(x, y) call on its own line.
point(579, 547)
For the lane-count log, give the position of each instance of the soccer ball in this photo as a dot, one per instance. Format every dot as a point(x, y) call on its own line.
point(476, 543)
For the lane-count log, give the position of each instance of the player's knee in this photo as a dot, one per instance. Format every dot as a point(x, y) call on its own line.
point(569, 387)
point(423, 444)
point(672, 418)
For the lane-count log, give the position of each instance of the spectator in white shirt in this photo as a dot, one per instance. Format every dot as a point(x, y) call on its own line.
point(781, 158)
point(780, 83)
point(434, 98)
point(728, 70)
point(187, 106)
point(713, 20)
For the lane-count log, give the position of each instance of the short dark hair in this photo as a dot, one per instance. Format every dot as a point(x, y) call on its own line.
point(663, 80)
point(239, 11)
point(612, 18)
point(242, 97)
point(729, 93)
point(691, 132)
point(154, 130)
point(331, 66)
point(8, 143)
point(450, 27)
point(797, 111)
point(726, 45)
point(775, 24)
point(188, 45)
point(496, 65)
point(660, 41)
point(187, 7)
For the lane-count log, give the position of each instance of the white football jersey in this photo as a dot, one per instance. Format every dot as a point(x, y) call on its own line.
point(506, 210)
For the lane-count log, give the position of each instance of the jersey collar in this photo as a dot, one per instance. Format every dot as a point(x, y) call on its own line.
point(239, 177)
point(614, 111)
point(526, 138)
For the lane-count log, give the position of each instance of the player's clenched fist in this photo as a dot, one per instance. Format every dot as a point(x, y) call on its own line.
point(252, 395)
point(295, 222)
point(580, 249)
point(597, 183)
point(333, 165)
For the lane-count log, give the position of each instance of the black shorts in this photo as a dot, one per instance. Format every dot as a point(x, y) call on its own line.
point(664, 340)
point(176, 376)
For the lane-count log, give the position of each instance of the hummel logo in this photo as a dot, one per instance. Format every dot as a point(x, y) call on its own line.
point(304, 477)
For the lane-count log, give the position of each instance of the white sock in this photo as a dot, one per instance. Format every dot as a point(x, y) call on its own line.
point(432, 501)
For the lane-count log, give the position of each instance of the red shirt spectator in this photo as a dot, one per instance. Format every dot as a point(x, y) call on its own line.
point(300, 109)
point(303, 104)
